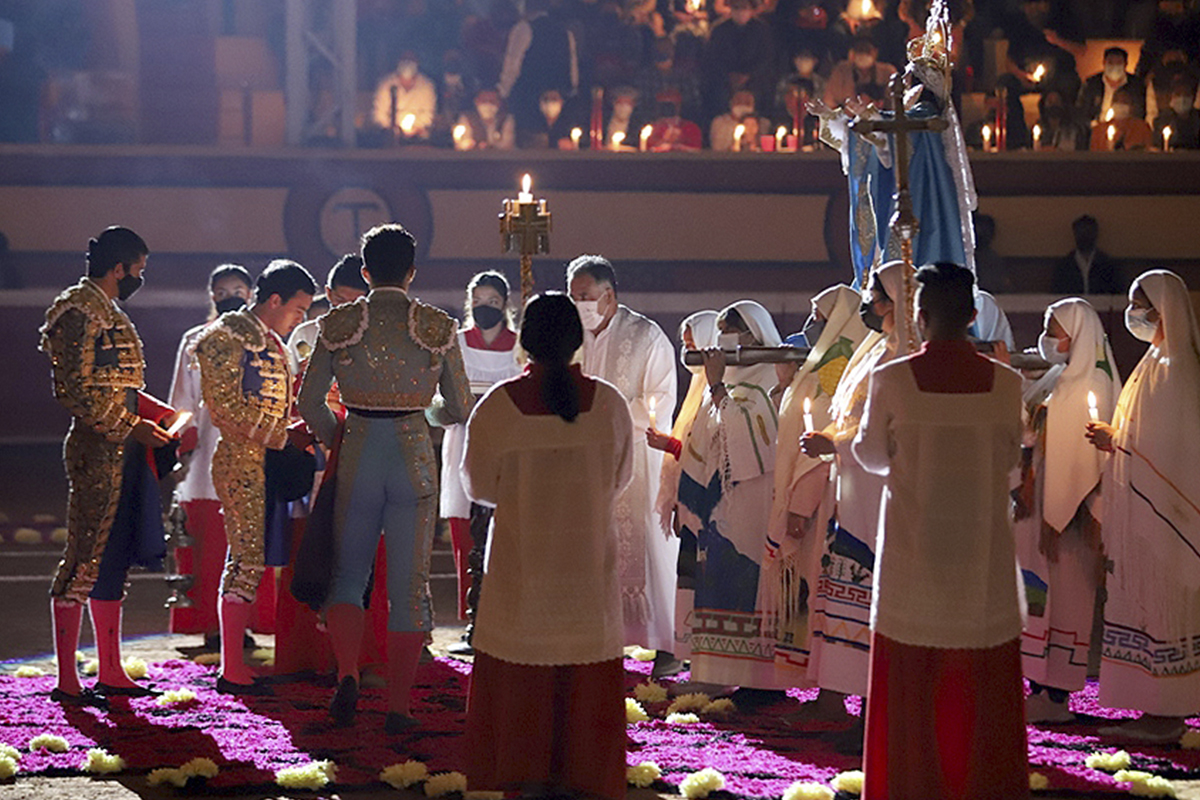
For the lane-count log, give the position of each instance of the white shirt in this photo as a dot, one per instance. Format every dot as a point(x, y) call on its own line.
point(185, 396)
point(420, 101)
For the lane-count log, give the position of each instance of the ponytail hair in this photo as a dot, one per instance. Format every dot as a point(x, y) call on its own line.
point(551, 333)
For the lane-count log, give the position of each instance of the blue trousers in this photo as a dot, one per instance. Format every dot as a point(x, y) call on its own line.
point(387, 481)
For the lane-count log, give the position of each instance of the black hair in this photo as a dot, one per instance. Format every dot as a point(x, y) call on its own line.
point(285, 278)
point(598, 267)
point(947, 293)
point(230, 271)
point(1085, 221)
point(1116, 51)
point(348, 272)
point(985, 229)
point(734, 320)
point(551, 333)
point(116, 245)
point(495, 280)
point(388, 253)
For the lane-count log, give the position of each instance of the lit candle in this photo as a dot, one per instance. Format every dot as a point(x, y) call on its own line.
point(808, 420)
point(1093, 411)
point(738, 133)
point(459, 132)
point(780, 133)
point(1112, 137)
point(617, 139)
point(1167, 139)
point(645, 137)
point(1037, 135)
point(576, 135)
point(867, 8)
point(1039, 72)
point(1108, 115)
point(653, 412)
point(408, 124)
point(526, 196)
point(987, 137)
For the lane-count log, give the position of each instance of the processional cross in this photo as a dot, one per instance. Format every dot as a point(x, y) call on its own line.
point(525, 227)
point(904, 222)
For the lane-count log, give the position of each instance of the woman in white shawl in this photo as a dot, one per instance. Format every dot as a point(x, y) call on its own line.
point(725, 496)
point(697, 332)
point(795, 534)
point(840, 620)
point(1151, 519)
point(1058, 544)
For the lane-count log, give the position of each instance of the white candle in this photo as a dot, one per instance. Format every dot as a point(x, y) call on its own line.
point(645, 136)
point(1108, 115)
point(987, 137)
point(1093, 411)
point(738, 133)
point(808, 420)
point(526, 196)
point(459, 132)
point(1112, 137)
point(576, 135)
point(1037, 136)
point(1039, 72)
point(1167, 139)
point(653, 413)
point(780, 134)
point(408, 123)
point(617, 139)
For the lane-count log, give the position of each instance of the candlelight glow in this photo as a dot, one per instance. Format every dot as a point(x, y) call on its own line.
point(1108, 115)
point(1039, 72)
point(459, 132)
point(987, 136)
point(807, 405)
point(617, 139)
point(408, 123)
point(646, 131)
point(1093, 411)
point(867, 8)
point(738, 133)
point(1112, 133)
point(576, 135)
point(1167, 137)
point(1037, 134)
point(180, 422)
point(526, 183)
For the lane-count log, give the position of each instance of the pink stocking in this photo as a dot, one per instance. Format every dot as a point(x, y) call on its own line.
point(234, 614)
point(66, 617)
point(346, 622)
point(404, 653)
point(106, 622)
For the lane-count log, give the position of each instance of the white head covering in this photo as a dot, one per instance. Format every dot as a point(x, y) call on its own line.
point(1158, 438)
point(1073, 467)
point(759, 321)
point(991, 323)
point(703, 325)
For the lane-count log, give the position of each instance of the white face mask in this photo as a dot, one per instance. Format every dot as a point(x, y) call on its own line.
point(1114, 72)
point(1048, 349)
point(408, 70)
point(551, 109)
point(864, 61)
point(487, 110)
point(1180, 105)
point(622, 110)
point(728, 341)
point(589, 314)
point(1138, 325)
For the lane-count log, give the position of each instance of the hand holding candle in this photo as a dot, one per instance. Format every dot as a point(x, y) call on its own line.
point(738, 133)
point(645, 137)
point(808, 419)
point(987, 137)
point(653, 412)
point(1093, 410)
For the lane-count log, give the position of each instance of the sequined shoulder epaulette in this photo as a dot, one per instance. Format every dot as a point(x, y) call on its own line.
point(431, 328)
point(88, 299)
point(243, 328)
point(345, 325)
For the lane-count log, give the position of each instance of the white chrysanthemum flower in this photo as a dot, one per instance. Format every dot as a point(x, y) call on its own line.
point(27, 536)
point(102, 762)
point(205, 659)
point(445, 783)
point(8, 767)
point(91, 667)
point(8, 751)
point(176, 697)
point(850, 782)
point(701, 784)
point(1108, 762)
point(313, 775)
point(201, 768)
point(643, 774)
point(179, 776)
point(404, 774)
point(650, 692)
point(59, 535)
point(136, 668)
point(682, 719)
point(1145, 784)
point(79, 656)
point(170, 775)
point(807, 790)
point(642, 654)
point(1190, 739)
point(634, 711)
point(48, 741)
point(29, 671)
point(1038, 782)
point(721, 708)
point(689, 702)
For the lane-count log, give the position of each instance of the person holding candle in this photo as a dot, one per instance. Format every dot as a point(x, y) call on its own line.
point(723, 131)
point(486, 126)
point(1124, 131)
point(1099, 92)
point(404, 93)
point(1177, 127)
point(1057, 532)
point(801, 504)
point(1151, 519)
point(552, 129)
point(671, 132)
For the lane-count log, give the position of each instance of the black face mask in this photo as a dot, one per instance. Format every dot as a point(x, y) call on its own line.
point(231, 303)
point(127, 286)
point(869, 317)
point(486, 317)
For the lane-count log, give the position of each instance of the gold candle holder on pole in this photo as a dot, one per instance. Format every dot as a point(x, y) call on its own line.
point(525, 228)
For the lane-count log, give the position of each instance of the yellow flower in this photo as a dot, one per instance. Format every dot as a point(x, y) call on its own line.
point(103, 762)
point(8, 767)
point(689, 702)
point(445, 783)
point(642, 654)
point(404, 774)
point(162, 775)
point(207, 658)
point(1108, 762)
point(643, 774)
point(263, 653)
point(1154, 787)
point(804, 790)
point(48, 741)
point(8, 751)
point(176, 697)
point(650, 692)
point(27, 536)
point(682, 719)
point(1190, 739)
point(313, 775)
point(135, 667)
point(829, 375)
point(1038, 782)
point(200, 768)
point(701, 784)
point(634, 711)
point(91, 666)
point(58, 536)
point(179, 776)
point(481, 795)
point(29, 671)
point(848, 782)
point(721, 708)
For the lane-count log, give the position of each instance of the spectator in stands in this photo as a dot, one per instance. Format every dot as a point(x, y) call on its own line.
point(1163, 77)
point(1181, 118)
point(1061, 127)
point(1042, 34)
point(644, 19)
point(555, 122)
point(456, 93)
point(486, 126)
point(621, 119)
point(405, 100)
point(1130, 132)
point(803, 77)
point(860, 77)
point(721, 134)
point(1086, 269)
point(483, 38)
point(1096, 97)
point(1174, 29)
point(991, 273)
point(740, 55)
point(540, 55)
point(804, 25)
point(671, 132)
point(667, 73)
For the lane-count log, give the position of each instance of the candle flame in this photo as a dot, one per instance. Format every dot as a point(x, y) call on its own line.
point(180, 423)
point(739, 131)
point(1166, 135)
point(653, 403)
point(1108, 115)
point(780, 132)
point(617, 139)
point(1092, 400)
point(1039, 72)
point(646, 131)
point(576, 134)
point(526, 183)
point(987, 135)
point(867, 8)
point(459, 131)
point(1037, 133)
point(807, 406)
point(1112, 132)
point(408, 123)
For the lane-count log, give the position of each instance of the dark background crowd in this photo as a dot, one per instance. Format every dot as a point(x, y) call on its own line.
point(661, 74)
